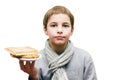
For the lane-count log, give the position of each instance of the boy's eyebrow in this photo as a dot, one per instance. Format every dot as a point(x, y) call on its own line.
point(62, 23)
point(66, 23)
point(53, 22)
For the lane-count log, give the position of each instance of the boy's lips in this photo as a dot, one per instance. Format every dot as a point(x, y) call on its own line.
point(59, 37)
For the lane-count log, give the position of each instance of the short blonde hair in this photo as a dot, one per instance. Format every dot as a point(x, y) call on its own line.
point(57, 10)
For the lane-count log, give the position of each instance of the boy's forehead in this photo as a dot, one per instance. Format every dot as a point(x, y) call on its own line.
point(59, 17)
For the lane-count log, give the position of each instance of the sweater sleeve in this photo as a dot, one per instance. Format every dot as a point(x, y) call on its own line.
point(89, 69)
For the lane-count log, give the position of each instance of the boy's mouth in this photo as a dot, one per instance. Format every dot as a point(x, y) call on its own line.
point(59, 37)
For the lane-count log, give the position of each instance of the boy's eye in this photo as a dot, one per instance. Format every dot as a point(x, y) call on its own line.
point(53, 25)
point(65, 25)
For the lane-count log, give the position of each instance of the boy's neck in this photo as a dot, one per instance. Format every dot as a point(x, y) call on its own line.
point(58, 49)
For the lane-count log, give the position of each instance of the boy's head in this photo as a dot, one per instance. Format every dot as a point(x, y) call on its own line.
point(57, 10)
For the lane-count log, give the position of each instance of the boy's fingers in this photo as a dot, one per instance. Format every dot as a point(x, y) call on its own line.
point(22, 66)
point(27, 66)
point(27, 63)
point(32, 64)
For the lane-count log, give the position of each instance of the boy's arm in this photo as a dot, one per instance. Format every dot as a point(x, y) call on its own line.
point(39, 76)
point(30, 78)
point(89, 70)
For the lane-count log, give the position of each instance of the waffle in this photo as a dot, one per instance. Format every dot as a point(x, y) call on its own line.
point(23, 52)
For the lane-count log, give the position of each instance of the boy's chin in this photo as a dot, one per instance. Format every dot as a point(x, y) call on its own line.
point(60, 43)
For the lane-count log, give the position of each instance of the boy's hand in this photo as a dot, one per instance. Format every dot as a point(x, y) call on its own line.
point(28, 67)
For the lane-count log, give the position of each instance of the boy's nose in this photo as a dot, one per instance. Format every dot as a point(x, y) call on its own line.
point(59, 29)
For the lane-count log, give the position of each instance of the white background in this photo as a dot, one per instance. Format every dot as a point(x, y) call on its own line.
point(97, 30)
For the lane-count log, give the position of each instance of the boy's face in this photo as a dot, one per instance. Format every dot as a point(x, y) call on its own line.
point(59, 29)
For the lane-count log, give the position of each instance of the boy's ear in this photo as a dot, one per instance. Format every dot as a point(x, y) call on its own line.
point(72, 31)
point(45, 31)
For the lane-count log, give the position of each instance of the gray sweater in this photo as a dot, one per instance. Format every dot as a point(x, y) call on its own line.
point(81, 67)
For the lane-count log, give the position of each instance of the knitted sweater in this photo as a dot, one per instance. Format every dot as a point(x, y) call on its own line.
point(80, 67)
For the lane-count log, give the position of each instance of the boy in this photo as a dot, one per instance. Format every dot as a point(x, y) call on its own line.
point(61, 60)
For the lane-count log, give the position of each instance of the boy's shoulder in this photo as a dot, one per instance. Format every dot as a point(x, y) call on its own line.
point(81, 53)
